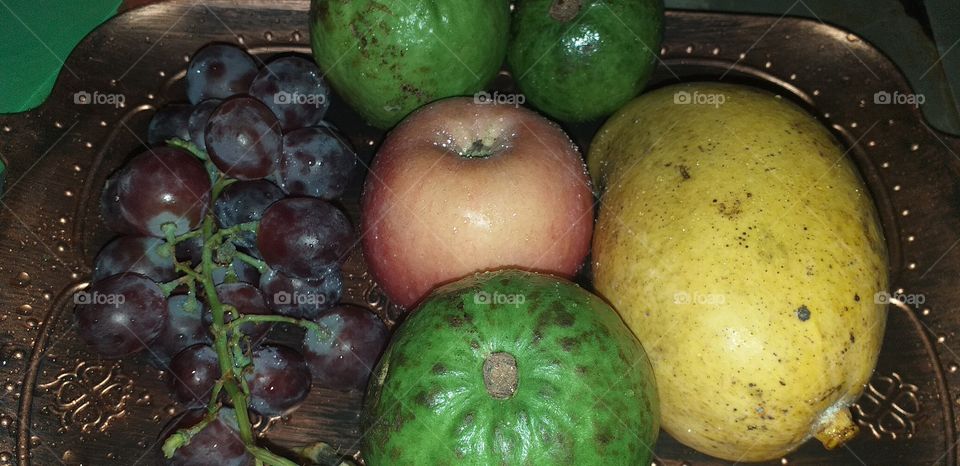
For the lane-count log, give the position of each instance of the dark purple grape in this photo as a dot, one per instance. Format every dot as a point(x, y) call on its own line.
point(245, 273)
point(345, 360)
point(242, 202)
point(315, 162)
point(219, 443)
point(193, 373)
point(169, 122)
point(110, 211)
point(294, 89)
point(164, 185)
point(301, 298)
point(197, 124)
point(247, 299)
point(190, 250)
point(304, 237)
point(279, 382)
point(183, 328)
point(144, 255)
point(243, 138)
point(120, 315)
point(219, 71)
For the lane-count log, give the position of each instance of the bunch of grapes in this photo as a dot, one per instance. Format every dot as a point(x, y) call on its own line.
point(227, 229)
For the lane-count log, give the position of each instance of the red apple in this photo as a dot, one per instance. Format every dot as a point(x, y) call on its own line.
point(460, 187)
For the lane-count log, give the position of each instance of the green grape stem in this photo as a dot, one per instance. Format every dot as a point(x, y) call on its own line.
point(226, 336)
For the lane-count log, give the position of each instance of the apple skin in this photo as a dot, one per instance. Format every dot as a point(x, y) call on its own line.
point(431, 215)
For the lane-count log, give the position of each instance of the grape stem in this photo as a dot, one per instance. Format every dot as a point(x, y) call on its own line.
point(226, 337)
point(320, 330)
point(258, 264)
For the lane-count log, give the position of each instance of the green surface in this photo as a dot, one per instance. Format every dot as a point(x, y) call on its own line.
point(576, 388)
point(387, 58)
point(586, 64)
point(36, 36)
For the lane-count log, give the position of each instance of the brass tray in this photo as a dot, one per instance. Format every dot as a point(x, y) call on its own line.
point(60, 404)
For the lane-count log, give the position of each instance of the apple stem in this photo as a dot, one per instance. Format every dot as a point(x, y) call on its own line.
point(565, 10)
point(477, 150)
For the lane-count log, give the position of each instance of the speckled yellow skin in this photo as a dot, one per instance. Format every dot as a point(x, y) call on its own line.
point(743, 250)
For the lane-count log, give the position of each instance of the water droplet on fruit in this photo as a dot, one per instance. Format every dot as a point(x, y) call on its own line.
point(34, 441)
point(268, 36)
point(296, 36)
point(57, 124)
point(6, 456)
point(23, 279)
point(77, 168)
point(25, 309)
point(69, 456)
point(914, 147)
point(68, 193)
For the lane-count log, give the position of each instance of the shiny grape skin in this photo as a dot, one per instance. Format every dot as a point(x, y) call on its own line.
point(242, 202)
point(164, 185)
point(301, 298)
point(294, 89)
point(248, 300)
point(279, 382)
point(243, 138)
point(138, 254)
point(304, 237)
point(218, 444)
point(110, 211)
point(190, 250)
point(169, 122)
point(315, 162)
point(197, 123)
point(245, 273)
point(113, 328)
point(345, 361)
point(183, 328)
point(192, 375)
point(219, 71)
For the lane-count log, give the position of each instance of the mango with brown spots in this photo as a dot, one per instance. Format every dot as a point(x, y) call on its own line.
point(744, 251)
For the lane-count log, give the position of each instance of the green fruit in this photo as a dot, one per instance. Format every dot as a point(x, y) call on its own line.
point(388, 57)
point(511, 368)
point(578, 60)
point(741, 246)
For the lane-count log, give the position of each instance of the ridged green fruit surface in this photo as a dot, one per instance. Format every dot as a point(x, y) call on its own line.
point(511, 368)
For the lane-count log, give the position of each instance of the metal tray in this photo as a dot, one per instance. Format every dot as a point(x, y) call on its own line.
point(62, 405)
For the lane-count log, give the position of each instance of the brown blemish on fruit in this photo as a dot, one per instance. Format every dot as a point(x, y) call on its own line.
point(562, 316)
point(568, 343)
point(684, 172)
point(730, 211)
point(500, 375)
